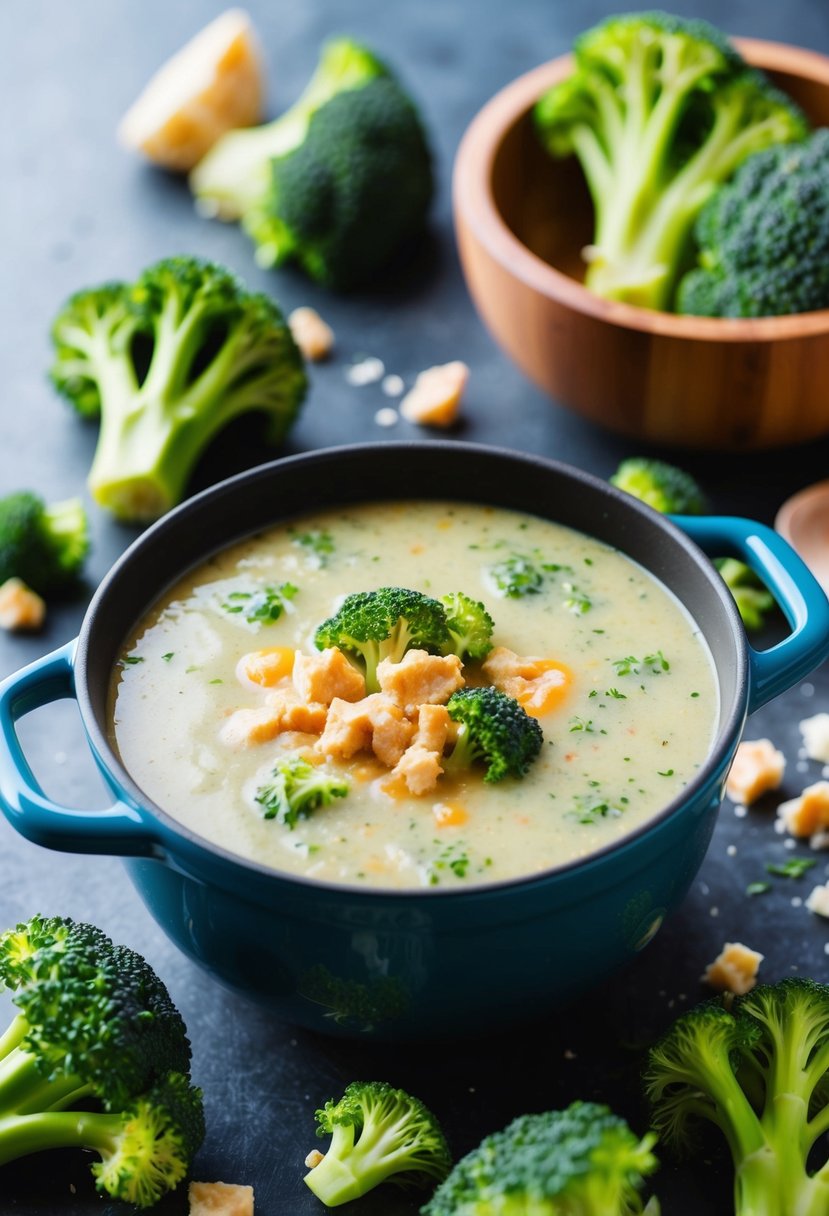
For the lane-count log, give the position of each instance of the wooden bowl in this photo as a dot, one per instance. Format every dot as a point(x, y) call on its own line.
point(522, 219)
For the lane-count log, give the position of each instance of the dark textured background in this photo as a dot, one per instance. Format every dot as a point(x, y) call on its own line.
point(76, 210)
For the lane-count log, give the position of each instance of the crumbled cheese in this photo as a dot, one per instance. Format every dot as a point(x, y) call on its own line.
point(313, 336)
point(220, 1199)
point(314, 1158)
point(757, 767)
point(393, 386)
point(21, 609)
point(818, 901)
point(807, 815)
point(734, 969)
point(815, 732)
point(386, 416)
point(365, 371)
point(212, 85)
point(436, 396)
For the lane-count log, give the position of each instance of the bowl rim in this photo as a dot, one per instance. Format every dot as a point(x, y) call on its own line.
point(724, 739)
point(474, 204)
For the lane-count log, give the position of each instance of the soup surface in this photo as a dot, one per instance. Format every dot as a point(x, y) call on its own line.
point(628, 715)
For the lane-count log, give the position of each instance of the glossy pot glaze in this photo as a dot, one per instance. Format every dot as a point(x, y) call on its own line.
point(419, 963)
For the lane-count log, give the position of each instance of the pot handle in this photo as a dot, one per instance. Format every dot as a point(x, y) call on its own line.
point(795, 588)
point(120, 829)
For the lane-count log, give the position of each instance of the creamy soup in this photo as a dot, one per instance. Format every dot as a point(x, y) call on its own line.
point(627, 716)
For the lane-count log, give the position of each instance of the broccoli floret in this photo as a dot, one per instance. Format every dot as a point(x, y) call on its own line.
point(378, 1134)
point(95, 1024)
point(470, 626)
point(494, 729)
point(45, 546)
point(384, 624)
point(338, 183)
point(764, 237)
point(661, 485)
point(753, 600)
point(756, 1067)
point(659, 111)
point(583, 1160)
point(296, 788)
point(167, 363)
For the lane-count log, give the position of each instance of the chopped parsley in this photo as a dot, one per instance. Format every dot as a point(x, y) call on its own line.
point(318, 546)
point(792, 867)
point(260, 607)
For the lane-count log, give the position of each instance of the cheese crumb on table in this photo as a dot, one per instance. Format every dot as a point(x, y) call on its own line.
point(734, 969)
point(21, 609)
point(757, 767)
point(815, 732)
point(220, 1199)
point(818, 901)
point(436, 397)
point(313, 336)
point(212, 85)
point(807, 815)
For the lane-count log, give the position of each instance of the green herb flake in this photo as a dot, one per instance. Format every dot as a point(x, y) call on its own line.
point(758, 888)
point(792, 867)
point(583, 724)
point(317, 546)
point(131, 659)
point(166, 657)
point(668, 772)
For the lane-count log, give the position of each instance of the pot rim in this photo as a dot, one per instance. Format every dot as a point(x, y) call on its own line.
point(725, 738)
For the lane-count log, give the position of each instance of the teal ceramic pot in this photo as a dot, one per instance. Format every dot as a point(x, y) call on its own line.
point(411, 964)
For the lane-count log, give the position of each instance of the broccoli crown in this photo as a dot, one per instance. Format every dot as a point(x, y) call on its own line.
point(43, 545)
point(167, 363)
point(661, 485)
point(337, 183)
point(95, 1023)
point(756, 1067)
point(494, 729)
point(470, 626)
point(764, 237)
point(384, 624)
point(659, 111)
point(378, 1134)
point(582, 1160)
point(352, 193)
point(296, 788)
point(96, 1014)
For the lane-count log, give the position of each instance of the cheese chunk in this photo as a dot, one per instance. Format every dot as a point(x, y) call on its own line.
point(807, 815)
point(420, 678)
point(758, 767)
point(818, 901)
point(212, 85)
point(734, 969)
point(815, 732)
point(21, 609)
point(220, 1199)
point(436, 397)
point(313, 336)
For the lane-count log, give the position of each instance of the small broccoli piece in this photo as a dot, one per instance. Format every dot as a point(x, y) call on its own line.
point(673, 491)
point(764, 237)
point(470, 626)
point(517, 576)
point(167, 363)
point(753, 600)
point(338, 183)
point(384, 624)
point(583, 1160)
point(757, 1067)
point(662, 486)
point(494, 729)
point(45, 546)
point(659, 111)
point(296, 788)
point(378, 1134)
point(95, 1024)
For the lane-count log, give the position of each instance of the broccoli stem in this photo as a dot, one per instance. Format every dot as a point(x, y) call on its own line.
point(151, 436)
point(24, 1089)
point(33, 1133)
point(377, 1154)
